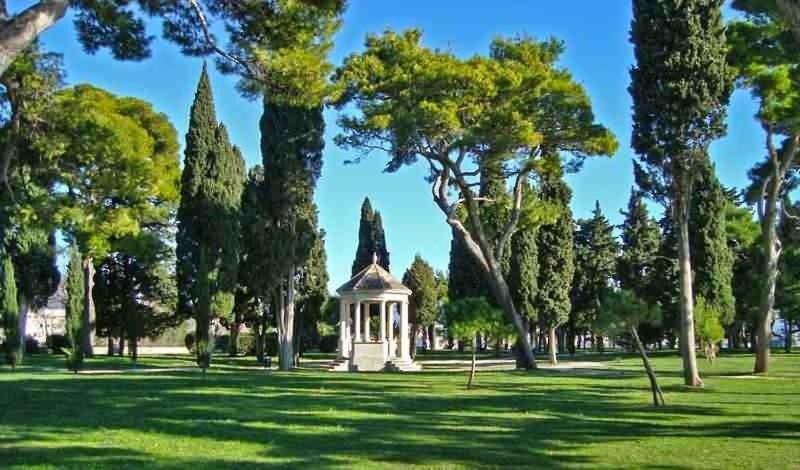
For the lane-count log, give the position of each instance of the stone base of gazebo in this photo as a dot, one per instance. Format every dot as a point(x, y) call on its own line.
point(394, 365)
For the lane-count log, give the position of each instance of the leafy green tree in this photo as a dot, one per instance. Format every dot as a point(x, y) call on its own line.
point(461, 114)
point(9, 308)
point(764, 54)
point(680, 87)
point(622, 311)
point(312, 293)
point(371, 239)
point(465, 318)
point(424, 301)
point(709, 327)
point(135, 290)
point(595, 267)
point(712, 258)
point(523, 275)
point(117, 169)
point(73, 321)
point(208, 219)
point(556, 261)
point(743, 234)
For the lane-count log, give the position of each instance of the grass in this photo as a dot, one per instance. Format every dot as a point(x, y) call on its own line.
point(242, 417)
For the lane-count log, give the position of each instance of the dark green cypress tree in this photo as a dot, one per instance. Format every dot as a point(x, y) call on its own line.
point(595, 266)
point(556, 259)
point(366, 238)
point(9, 309)
point(73, 321)
point(291, 148)
point(381, 249)
point(523, 275)
point(712, 258)
point(371, 239)
point(208, 219)
point(680, 86)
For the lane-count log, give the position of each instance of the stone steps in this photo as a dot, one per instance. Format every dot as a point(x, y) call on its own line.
point(339, 365)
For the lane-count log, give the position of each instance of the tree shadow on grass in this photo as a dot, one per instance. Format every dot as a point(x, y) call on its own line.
point(538, 420)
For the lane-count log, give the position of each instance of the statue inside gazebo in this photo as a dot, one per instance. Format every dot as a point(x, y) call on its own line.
point(361, 349)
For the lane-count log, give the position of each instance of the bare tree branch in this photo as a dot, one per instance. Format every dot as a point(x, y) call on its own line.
point(516, 210)
point(19, 31)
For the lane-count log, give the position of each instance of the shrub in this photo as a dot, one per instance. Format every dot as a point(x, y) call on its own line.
point(189, 342)
point(56, 343)
point(247, 344)
point(328, 343)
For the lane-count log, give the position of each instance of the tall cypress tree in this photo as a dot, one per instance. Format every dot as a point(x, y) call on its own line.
point(381, 249)
point(712, 258)
point(291, 149)
point(365, 237)
point(595, 266)
point(73, 313)
point(680, 87)
point(9, 309)
point(371, 239)
point(208, 219)
point(556, 259)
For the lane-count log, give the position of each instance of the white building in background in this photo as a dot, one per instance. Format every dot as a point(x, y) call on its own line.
point(50, 319)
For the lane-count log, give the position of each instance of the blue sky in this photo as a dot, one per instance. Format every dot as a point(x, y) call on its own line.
point(597, 53)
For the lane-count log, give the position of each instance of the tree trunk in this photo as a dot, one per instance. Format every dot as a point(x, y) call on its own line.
point(658, 397)
point(771, 249)
point(474, 362)
point(19, 31)
point(286, 323)
point(122, 341)
point(552, 346)
point(24, 307)
point(259, 341)
point(432, 337)
point(233, 338)
point(599, 344)
point(412, 340)
point(133, 348)
point(787, 335)
point(691, 376)
point(87, 339)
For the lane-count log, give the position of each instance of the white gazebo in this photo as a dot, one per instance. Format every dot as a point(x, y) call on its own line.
point(386, 349)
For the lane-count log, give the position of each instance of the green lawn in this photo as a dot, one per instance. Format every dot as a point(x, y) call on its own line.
point(242, 417)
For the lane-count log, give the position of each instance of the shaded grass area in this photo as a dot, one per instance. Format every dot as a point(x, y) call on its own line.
point(239, 417)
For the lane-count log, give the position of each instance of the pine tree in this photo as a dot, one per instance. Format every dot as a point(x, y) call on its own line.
point(712, 258)
point(680, 87)
point(638, 261)
point(639, 248)
point(9, 310)
point(595, 267)
point(556, 260)
point(291, 148)
point(208, 219)
point(73, 322)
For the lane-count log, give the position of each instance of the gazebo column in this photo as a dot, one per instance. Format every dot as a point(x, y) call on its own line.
point(404, 349)
point(358, 320)
point(342, 329)
point(365, 308)
point(382, 338)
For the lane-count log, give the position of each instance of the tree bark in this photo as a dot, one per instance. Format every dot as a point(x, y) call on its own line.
point(658, 396)
point(691, 376)
point(19, 31)
point(286, 323)
point(474, 362)
point(552, 346)
point(87, 339)
point(233, 338)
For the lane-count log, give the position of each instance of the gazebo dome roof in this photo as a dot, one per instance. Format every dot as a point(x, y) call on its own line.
point(373, 278)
